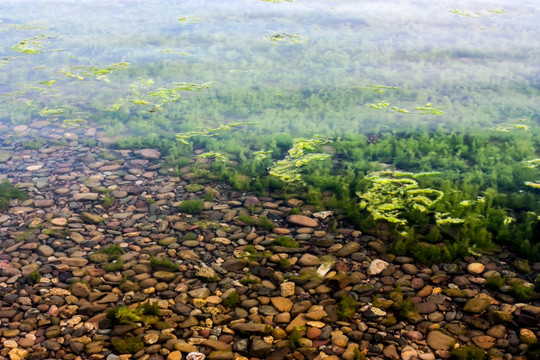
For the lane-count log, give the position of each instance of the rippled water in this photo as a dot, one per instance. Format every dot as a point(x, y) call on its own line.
point(304, 67)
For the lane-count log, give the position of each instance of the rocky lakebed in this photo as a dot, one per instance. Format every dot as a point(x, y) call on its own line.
point(99, 262)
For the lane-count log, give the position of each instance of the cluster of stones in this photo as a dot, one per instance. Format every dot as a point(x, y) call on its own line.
point(282, 292)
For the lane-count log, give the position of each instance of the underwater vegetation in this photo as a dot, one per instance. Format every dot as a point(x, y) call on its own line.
point(442, 162)
point(286, 38)
point(7, 192)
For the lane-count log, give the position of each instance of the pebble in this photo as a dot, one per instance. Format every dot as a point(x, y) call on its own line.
point(64, 221)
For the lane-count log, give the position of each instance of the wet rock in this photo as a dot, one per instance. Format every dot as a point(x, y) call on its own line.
point(348, 249)
point(476, 268)
point(80, 290)
point(302, 220)
point(92, 218)
point(45, 250)
point(440, 341)
point(148, 153)
point(476, 305)
point(259, 348)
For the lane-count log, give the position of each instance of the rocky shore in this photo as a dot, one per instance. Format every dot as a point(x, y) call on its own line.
point(245, 278)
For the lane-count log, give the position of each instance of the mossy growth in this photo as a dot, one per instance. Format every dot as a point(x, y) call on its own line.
point(232, 300)
point(468, 353)
point(23, 235)
point(537, 284)
point(295, 338)
point(286, 241)
point(146, 313)
point(284, 263)
point(116, 265)
point(124, 315)
point(246, 219)
point(34, 277)
point(359, 355)
point(128, 345)
point(149, 308)
point(194, 206)
point(405, 307)
point(522, 266)
point(194, 187)
point(533, 351)
point(108, 200)
point(495, 282)
point(248, 279)
point(163, 263)
point(209, 196)
point(346, 307)
point(7, 192)
point(114, 251)
point(32, 144)
point(295, 211)
point(265, 223)
point(522, 292)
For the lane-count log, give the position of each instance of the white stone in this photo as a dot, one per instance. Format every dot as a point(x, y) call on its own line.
point(376, 267)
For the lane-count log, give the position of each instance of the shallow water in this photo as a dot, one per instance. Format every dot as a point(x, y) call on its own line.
point(476, 63)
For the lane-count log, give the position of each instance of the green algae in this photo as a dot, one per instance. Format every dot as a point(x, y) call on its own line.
point(429, 109)
point(190, 19)
point(288, 38)
point(380, 89)
point(9, 191)
point(300, 155)
point(32, 45)
point(46, 111)
point(268, 85)
point(393, 193)
point(208, 132)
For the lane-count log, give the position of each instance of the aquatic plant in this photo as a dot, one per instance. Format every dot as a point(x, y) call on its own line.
point(347, 307)
point(114, 251)
point(184, 137)
point(31, 45)
point(265, 223)
point(108, 200)
point(468, 353)
point(190, 19)
point(116, 265)
point(149, 308)
point(7, 192)
point(465, 13)
point(163, 263)
point(286, 37)
point(232, 300)
point(295, 337)
point(380, 106)
point(495, 282)
point(34, 277)
point(97, 72)
point(128, 345)
point(124, 315)
point(523, 292)
point(392, 194)
point(429, 109)
point(381, 89)
point(533, 351)
point(246, 219)
point(286, 241)
point(300, 155)
point(248, 279)
point(193, 206)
